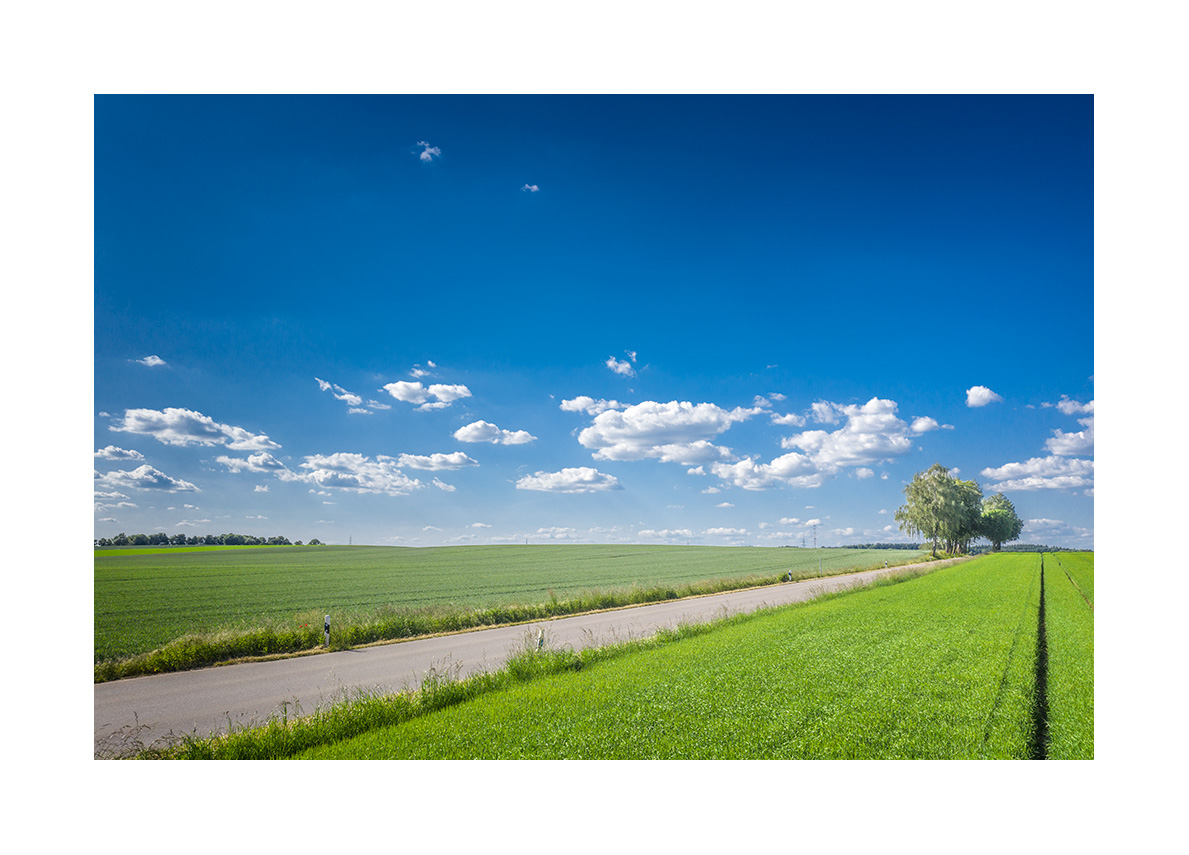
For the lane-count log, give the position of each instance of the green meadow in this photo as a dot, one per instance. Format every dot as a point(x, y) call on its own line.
point(169, 609)
point(987, 659)
point(942, 666)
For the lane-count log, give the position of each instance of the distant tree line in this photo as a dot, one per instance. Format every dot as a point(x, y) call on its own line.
point(1026, 547)
point(160, 538)
point(953, 513)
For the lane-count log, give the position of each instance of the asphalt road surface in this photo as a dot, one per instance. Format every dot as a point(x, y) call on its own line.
point(147, 710)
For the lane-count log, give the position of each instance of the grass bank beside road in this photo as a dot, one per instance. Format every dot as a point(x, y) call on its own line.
point(160, 611)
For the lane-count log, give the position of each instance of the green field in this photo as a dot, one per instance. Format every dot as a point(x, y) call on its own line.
point(942, 666)
point(1069, 622)
point(261, 600)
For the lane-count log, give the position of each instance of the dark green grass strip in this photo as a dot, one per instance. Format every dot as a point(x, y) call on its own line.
point(1039, 749)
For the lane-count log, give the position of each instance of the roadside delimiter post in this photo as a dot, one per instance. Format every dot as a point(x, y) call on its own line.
point(326, 629)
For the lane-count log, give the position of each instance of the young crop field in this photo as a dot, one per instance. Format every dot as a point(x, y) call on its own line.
point(259, 600)
point(1069, 624)
point(941, 666)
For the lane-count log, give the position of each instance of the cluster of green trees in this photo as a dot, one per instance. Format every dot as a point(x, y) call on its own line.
point(160, 538)
point(953, 513)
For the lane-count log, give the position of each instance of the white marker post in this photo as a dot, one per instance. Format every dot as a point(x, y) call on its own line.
point(326, 629)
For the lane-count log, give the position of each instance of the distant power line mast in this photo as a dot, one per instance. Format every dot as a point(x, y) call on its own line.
point(815, 535)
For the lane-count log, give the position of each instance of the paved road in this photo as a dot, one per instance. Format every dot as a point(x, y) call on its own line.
point(147, 709)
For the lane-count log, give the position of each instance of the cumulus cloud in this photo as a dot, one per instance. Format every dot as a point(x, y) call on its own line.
point(261, 462)
point(1042, 473)
point(413, 392)
point(677, 432)
point(580, 479)
point(863, 473)
point(667, 533)
point(980, 396)
point(112, 452)
point(1072, 444)
point(795, 470)
point(620, 366)
point(147, 478)
point(437, 461)
point(588, 405)
point(482, 431)
point(792, 419)
point(872, 433)
point(727, 532)
point(532, 188)
point(1070, 407)
point(177, 426)
point(429, 152)
point(924, 424)
point(358, 474)
point(151, 361)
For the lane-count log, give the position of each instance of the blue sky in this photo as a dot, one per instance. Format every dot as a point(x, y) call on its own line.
point(719, 320)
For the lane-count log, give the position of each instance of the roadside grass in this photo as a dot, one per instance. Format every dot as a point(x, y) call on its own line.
point(935, 666)
point(158, 612)
point(1070, 624)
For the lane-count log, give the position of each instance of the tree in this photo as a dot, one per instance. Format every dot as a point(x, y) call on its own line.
point(998, 522)
point(941, 508)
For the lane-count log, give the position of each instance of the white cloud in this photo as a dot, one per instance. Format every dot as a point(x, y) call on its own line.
point(482, 431)
point(147, 478)
point(358, 474)
point(620, 367)
point(825, 412)
point(112, 452)
point(437, 461)
point(581, 479)
point(532, 188)
point(666, 533)
point(924, 424)
point(1042, 473)
point(413, 392)
point(557, 533)
point(792, 419)
point(1071, 408)
point(260, 488)
point(339, 392)
point(443, 486)
point(588, 405)
point(430, 152)
point(789, 521)
point(793, 469)
point(478, 525)
point(677, 432)
point(872, 433)
point(863, 472)
point(980, 396)
point(724, 505)
point(176, 426)
point(151, 361)
point(727, 532)
point(1073, 444)
point(261, 462)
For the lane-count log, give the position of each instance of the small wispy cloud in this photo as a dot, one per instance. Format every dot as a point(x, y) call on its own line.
point(151, 361)
point(532, 188)
point(430, 152)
